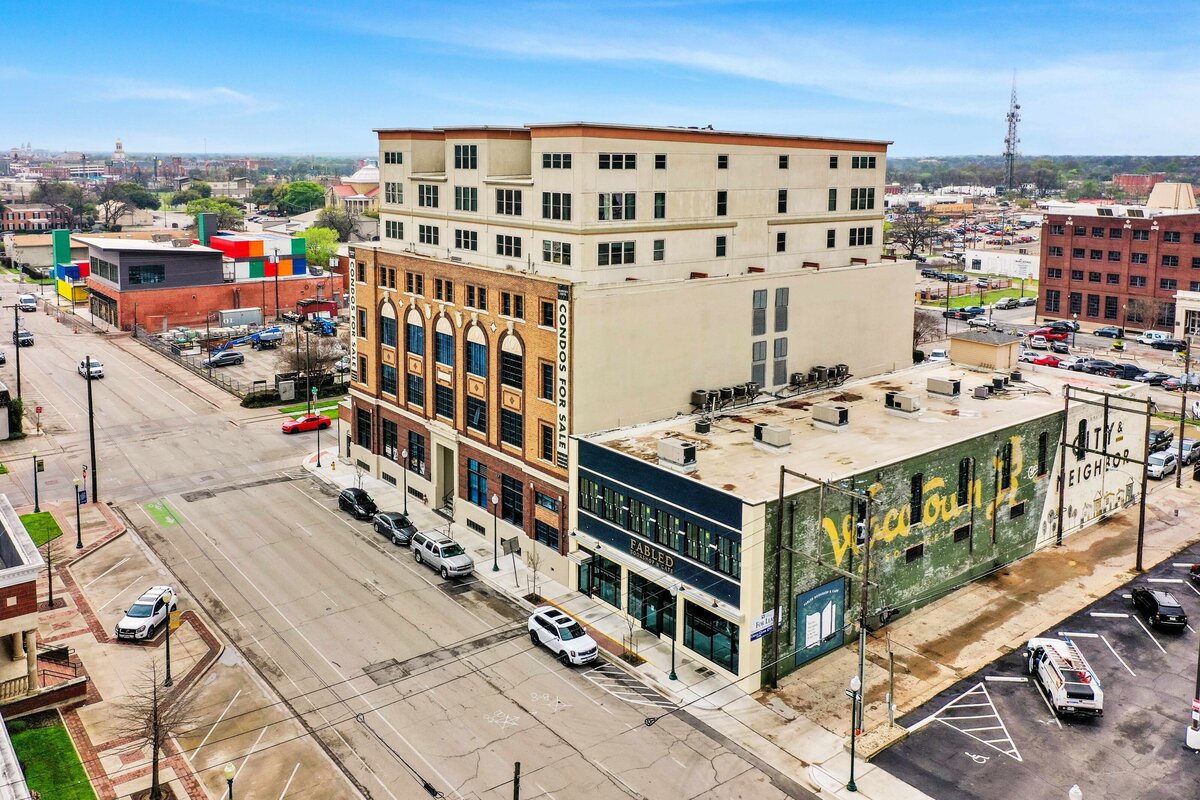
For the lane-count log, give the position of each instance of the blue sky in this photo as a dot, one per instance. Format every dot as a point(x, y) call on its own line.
point(314, 76)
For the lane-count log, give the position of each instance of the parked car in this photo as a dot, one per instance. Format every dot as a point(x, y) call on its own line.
point(954, 277)
point(1053, 334)
point(1194, 574)
point(957, 313)
point(939, 355)
point(22, 338)
point(442, 553)
point(1039, 343)
point(1047, 360)
point(1080, 364)
point(1192, 380)
point(981, 322)
point(1098, 366)
point(1159, 439)
point(1069, 363)
point(1160, 608)
point(1160, 465)
point(1005, 303)
point(1060, 347)
point(1029, 356)
point(143, 617)
point(27, 302)
point(1024, 302)
point(90, 368)
point(1151, 377)
point(3, 358)
point(395, 526)
point(930, 272)
point(1110, 332)
point(226, 358)
point(1128, 372)
point(1174, 345)
point(1188, 450)
point(562, 635)
point(975, 310)
point(1069, 325)
point(342, 366)
point(1150, 337)
point(308, 422)
point(357, 503)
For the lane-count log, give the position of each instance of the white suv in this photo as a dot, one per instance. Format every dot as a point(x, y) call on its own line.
point(143, 617)
point(562, 635)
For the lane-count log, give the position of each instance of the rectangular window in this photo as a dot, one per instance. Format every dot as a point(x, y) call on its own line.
point(914, 553)
point(477, 483)
point(393, 157)
point(393, 193)
point(546, 534)
point(783, 162)
point(758, 320)
point(443, 401)
point(1114, 255)
point(414, 339)
point(1017, 510)
point(721, 244)
point(477, 363)
point(617, 206)
point(1006, 462)
point(1093, 277)
point(1095, 255)
point(1098, 232)
point(391, 440)
point(614, 253)
point(1114, 233)
point(362, 369)
point(964, 482)
point(1053, 300)
point(862, 236)
point(833, 199)
point(781, 309)
point(388, 382)
point(713, 638)
point(1168, 283)
point(916, 498)
point(512, 501)
point(416, 453)
point(660, 160)
point(546, 384)
point(477, 297)
point(547, 318)
point(393, 229)
point(833, 162)
point(509, 246)
point(618, 161)
point(387, 331)
point(758, 362)
point(362, 429)
point(428, 234)
point(512, 428)
point(466, 198)
point(722, 161)
point(556, 205)
point(466, 156)
point(1093, 305)
point(1110, 308)
point(508, 202)
point(427, 195)
point(1113, 278)
point(1078, 252)
point(1057, 230)
point(546, 442)
point(1043, 452)
point(1053, 272)
point(512, 370)
point(722, 203)
point(414, 390)
point(1170, 237)
point(831, 237)
point(862, 162)
point(962, 533)
point(414, 283)
point(512, 305)
point(556, 160)
point(1137, 280)
point(1141, 236)
point(781, 201)
point(466, 240)
point(660, 205)
point(1170, 261)
point(1076, 302)
point(476, 414)
point(1139, 258)
point(1195, 262)
point(443, 346)
point(660, 249)
point(862, 199)
point(443, 290)
point(1076, 274)
point(556, 252)
point(152, 273)
point(361, 327)
point(780, 242)
point(779, 365)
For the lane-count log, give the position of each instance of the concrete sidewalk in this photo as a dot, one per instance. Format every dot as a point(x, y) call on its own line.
point(770, 732)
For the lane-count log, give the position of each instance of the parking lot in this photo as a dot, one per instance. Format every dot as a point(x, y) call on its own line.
point(993, 736)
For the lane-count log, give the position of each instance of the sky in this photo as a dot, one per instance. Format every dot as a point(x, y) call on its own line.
point(316, 77)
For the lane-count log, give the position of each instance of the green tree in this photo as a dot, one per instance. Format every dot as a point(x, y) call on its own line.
point(122, 198)
point(231, 201)
point(1090, 188)
point(1045, 175)
point(228, 217)
point(263, 195)
point(59, 193)
point(337, 219)
point(185, 197)
point(300, 196)
point(321, 245)
point(201, 188)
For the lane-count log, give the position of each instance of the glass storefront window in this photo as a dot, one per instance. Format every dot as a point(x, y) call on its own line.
point(652, 605)
point(712, 637)
point(601, 578)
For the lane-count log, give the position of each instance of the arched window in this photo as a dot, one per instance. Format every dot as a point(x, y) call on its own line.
point(414, 336)
point(387, 325)
point(512, 362)
point(443, 341)
point(477, 352)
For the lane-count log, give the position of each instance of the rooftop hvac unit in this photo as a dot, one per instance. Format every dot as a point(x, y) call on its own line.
point(818, 373)
point(726, 394)
point(998, 384)
point(700, 397)
point(751, 389)
point(899, 401)
point(677, 454)
point(181, 242)
point(739, 391)
point(703, 426)
point(983, 392)
point(831, 416)
point(947, 387)
point(1015, 376)
point(798, 378)
point(160, 237)
point(773, 436)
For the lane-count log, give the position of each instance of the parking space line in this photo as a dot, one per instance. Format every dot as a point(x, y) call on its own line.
point(949, 720)
point(118, 594)
point(214, 726)
point(1049, 707)
point(1005, 679)
point(252, 749)
point(288, 785)
point(1108, 615)
point(1118, 657)
point(1185, 566)
point(110, 569)
point(1193, 588)
point(1078, 635)
point(1164, 580)
point(1151, 635)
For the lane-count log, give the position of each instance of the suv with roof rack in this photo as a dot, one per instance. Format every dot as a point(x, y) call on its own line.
point(562, 635)
point(142, 619)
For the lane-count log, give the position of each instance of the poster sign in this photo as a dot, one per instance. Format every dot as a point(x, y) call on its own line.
point(820, 617)
point(83, 497)
point(562, 321)
point(763, 624)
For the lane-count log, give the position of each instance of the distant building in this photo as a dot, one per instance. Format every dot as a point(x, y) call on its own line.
point(119, 152)
point(20, 217)
point(1138, 185)
point(356, 193)
point(237, 188)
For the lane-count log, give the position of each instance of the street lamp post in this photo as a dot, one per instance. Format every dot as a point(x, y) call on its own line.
point(78, 526)
point(36, 506)
point(404, 475)
point(314, 402)
point(1075, 793)
point(1075, 330)
point(674, 608)
point(230, 774)
point(855, 695)
point(495, 510)
point(168, 598)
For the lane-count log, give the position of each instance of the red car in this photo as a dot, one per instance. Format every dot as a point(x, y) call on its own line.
point(1051, 334)
point(309, 422)
point(1048, 360)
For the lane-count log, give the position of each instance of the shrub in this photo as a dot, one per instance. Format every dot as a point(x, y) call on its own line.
point(918, 356)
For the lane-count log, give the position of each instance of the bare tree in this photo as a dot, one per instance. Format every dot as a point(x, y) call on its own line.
point(314, 355)
point(53, 552)
point(1145, 311)
point(151, 714)
point(913, 231)
point(533, 559)
point(927, 327)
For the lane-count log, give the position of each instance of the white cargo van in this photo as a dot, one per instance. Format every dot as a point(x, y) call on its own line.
point(1150, 337)
point(1066, 677)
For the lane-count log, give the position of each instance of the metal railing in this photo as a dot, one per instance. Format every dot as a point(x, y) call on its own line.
point(192, 363)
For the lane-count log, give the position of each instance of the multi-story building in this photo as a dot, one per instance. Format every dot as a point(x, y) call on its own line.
point(1137, 185)
point(1121, 265)
point(535, 282)
point(23, 217)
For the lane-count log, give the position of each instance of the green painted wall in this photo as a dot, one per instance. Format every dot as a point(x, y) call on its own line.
point(825, 530)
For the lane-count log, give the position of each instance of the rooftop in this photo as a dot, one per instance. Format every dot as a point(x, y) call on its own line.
point(20, 560)
point(141, 245)
point(621, 131)
point(728, 459)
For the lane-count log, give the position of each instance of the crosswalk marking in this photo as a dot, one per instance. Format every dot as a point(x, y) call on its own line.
point(975, 697)
point(618, 683)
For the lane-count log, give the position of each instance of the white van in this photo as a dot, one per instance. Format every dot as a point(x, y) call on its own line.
point(27, 303)
point(1150, 337)
point(1066, 677)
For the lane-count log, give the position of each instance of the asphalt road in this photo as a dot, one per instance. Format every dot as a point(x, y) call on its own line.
point(992, 736)
point(406, 679)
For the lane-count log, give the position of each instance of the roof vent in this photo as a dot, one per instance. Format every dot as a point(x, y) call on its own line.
point(184, 242)
point(901, 403)
point(677, 454)
point(945, 387)
point(983, 392)
point(831, 416)
point(772, 437)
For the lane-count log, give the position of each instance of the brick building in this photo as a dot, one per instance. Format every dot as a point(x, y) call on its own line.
point(1122, 265)
point(1137, 185)
point(26, 217)
point(20, 563)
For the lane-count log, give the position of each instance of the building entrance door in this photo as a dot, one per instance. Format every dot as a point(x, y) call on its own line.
point(652, 605)
point(444, 483)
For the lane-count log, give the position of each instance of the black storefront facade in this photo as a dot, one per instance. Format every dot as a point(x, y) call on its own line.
point(662, 549)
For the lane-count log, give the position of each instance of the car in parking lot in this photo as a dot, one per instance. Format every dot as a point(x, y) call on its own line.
point(1026, 301)
point(90, 368)
point(562, 635)
point(1160, 465)
point(442, 553)
point(226, 358)
point(1068, 325)
point(1110, 332)
point(308, 422)
point(1194, 574)
point(27, 303)
point(1060, 347)
point(1052, 334)
point(1152, 377)
point(357, 503)
point(1039, 342)
point(22, 337)
point(1177, 382)
point(980, 322)
point(1187, 451)
point(1160, 608)
point(974, 310)
point(955, 277)
point(1174, 345)
point(930, 272)
point(1159, 439)
point(1098, 366)
point(957, 313)
point(1005, 303)
point(395, 526)
point(1029, 356)
point(1150, 337)
point(939, 355)
point(144, 616)
point(1126, 372)
point(1062, 672)
point(1047, 360)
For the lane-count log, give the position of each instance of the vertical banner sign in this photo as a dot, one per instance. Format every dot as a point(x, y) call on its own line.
point(352, 274)
point(562, 319)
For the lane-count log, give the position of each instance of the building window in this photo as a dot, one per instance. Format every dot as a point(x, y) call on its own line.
point(660, 160)
point(961, 534)
point(781, 201)
point(758, 363)
point(614, 253)
point(391, 441)
point(1093, 305)
point(831, 237)
point(1076, 302)
point(466, 198)
point(556, 160)
point(512, 369)
point(862, 236)
point(512, 428)
point(1168, 283)
point(1113, 278)
point(427, 195)
point(660, 249)
point(556, 252)
point(1114, 255)
point(414, 390)
point(833, 199)
point(1195, 262)
point(783, 162)
point(416, 453)
point(1110, 308)
point(393, 229)
point(362, 369)
point(721, 243)
point(1141, 236)
point(361, 327)
point(1053, 301)
point(556, 205)
point(466, 240)
point(546, 442)
point(512, 500)
point(512, 305)
point(428, 234)
point(360, 269)
point(862, 162)
point(964, 483)
point(916, 488)
point(393, 157)
point(780, 242)
point(1076, 274)
point(758, 320)
point(1043, 452)
point(546, 384)
point(509, 246)
point(362, 428)
point(914, 553)
point(465, 156)
point(1137, 280)
point(1093, 277)
point(1098, 233)
point(443, 401)
point(546, 501)
point(1114, 233)
point(1139, 258)
point(1170, 261)
point(547, 320)
point(1170, 237)
point(508, 202)
point(862, 199)
point(617, 206)
point(546, 534)
point(414, 339)
point(443, 346)
point(723, 161)
point(476, 414)
point(477, 297)
point(443, 290)
point(477, 363)
point(388, 382)
point(618, 161)
point(722, 203)
point(1078, 252)
point(477, 483)
point(387, 330)
point(1006, 463)
point(1054, 272)
point(780, 375)
point(710, 636)
point(153, 273)
point(660, 205)
point(1095, 255)
point(393, 193)
point(1016, 511)
point(1057, 230)
point(781, 309)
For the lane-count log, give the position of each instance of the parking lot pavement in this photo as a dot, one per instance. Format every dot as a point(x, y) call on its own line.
point(992, 735)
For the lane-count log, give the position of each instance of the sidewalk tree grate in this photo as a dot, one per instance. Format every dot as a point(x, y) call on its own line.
point(973, 713)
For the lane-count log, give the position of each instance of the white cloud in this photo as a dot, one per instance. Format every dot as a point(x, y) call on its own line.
point(128, 89)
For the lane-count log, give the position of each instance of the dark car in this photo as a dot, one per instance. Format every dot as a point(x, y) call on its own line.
point(1153, 378)
point(958, 313)
point(1161, 608)
point(1027, 301)
point(974, 310)
point(23, 338)
point(1176, 345)
point(1060, 348)
point(956, 278)
point(929, 272)
point(227, 358)
point(1194, 574)
point(1110, 331)
point(395, 526)
point(1160, 439)
point(357, 503)
point(1098, 366)
point(1128, 372)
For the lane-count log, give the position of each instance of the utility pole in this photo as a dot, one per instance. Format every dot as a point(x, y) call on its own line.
point(92, 433)
point(947, 314)
point(17, 342)
point(1187, 378)
point(517, 780)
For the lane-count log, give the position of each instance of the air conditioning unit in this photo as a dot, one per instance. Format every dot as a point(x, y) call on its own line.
point(798, 379)
point(181, 242)
point(774, 437)
point(946, 387)
point(998, 384)
point(901, 402)
point(983, 392)
point(677, 454)
point(831, 416)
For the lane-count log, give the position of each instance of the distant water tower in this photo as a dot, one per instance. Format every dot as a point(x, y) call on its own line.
point(119, 151)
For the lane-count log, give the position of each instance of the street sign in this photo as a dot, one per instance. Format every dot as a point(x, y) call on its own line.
point(763, 624)
point(83, 497)
point(176, 620)
point(37, 410)
point(510, 545)
point(1196, 705)
point(41, 465)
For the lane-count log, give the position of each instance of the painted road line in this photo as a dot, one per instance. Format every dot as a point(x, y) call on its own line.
point(1185, 566)
point(1108, 615)
point(288, 785)
point(214, 725)
point(1049, 707)
point(1151, 635)
point(118, 594)
point(1117, 656)
point(972, 696)
point(252, 749)
point(1193, 588)
point(1190, 628)
point(1078, 635)
point(1005, 679)
point(1165, 580)
point(110, 569)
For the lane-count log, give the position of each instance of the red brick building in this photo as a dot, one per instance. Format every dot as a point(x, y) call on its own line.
point(1115, 265)
point(34, 218)
point(1137, 185)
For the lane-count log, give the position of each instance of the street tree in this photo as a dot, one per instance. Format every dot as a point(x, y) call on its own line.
point(321, 245)
point(913, 231)
point(228, 217)
point(151, 714)
point(313, 355)
point(59, 193)
point(927, 327)
point(201, 188)
point(1145, 311)
point(263, 195)
point(123, 198)
point(338, 220)
point(300, 196)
